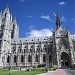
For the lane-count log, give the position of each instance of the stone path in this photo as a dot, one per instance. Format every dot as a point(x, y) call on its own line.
point(57, 72)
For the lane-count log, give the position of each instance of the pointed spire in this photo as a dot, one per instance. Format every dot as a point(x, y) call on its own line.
point(6, 9)
point(58, 21)
point(7, 5)
point(14, 21)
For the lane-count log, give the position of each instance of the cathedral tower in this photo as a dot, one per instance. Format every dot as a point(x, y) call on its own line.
point(62, 45)
point(5, 38)
point(15, 29)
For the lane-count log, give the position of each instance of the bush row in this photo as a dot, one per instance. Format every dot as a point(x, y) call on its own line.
point(41, 69)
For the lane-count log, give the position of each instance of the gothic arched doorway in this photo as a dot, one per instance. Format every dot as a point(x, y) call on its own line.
point(65, 60)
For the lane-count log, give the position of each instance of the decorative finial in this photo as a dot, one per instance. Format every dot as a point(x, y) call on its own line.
point(57, 13)
point(7, 5)
point(58, 20)
point(15, 18)
point(6, 9)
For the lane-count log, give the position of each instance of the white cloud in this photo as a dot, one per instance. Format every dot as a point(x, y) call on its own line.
point(62, 3)
point(73, 36)
point(29, 16)
point(63, 19)
point(39, 33)
point(47, 17)
point(54, 14)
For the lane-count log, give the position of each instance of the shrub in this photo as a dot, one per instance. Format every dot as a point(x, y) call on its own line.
point(43, 69)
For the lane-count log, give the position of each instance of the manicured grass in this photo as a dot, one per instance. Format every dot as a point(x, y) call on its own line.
point(20, 72)
point(32, 72)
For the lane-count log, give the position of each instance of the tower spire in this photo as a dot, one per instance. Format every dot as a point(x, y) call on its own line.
point(14, 21)
point(7, 6)
point(58, 21)
point(6, 9)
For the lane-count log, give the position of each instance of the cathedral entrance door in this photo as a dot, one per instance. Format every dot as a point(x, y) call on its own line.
point(65, 60)
point(64, 63)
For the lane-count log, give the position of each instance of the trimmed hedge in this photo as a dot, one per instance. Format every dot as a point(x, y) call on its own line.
point(43, 69)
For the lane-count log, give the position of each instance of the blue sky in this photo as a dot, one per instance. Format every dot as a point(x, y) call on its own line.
point(37, 17)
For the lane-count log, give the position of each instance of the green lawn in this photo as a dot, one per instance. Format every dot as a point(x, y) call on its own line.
point(33, 72)
point(19, 72)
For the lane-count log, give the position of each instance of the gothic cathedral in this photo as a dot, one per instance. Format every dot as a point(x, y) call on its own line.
point(58, 49)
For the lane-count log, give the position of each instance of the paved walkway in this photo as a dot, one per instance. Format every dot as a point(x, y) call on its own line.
point(57, 72)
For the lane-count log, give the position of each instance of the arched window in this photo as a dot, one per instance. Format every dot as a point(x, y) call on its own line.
point(36, 58)
point(19, 49)
point(45, 48)
point(14, 49)
point(38, 48)
point(15, 58)
point(44, 58)
point(24, 50)
point(63, 42)
point(22, 58)
point(31, 50)
point(29, 58)
point(8, 58)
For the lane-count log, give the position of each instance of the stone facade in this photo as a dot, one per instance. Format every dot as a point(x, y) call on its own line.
point(58, 49)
